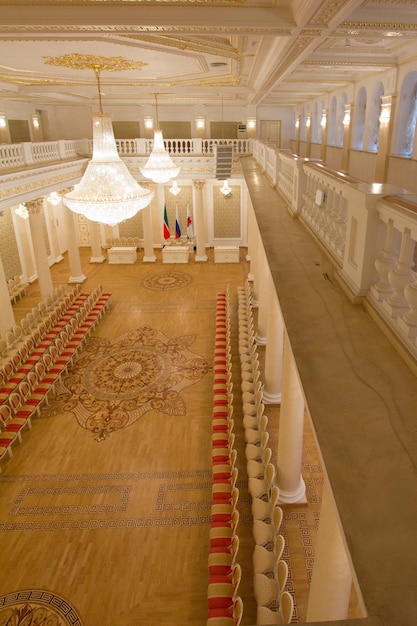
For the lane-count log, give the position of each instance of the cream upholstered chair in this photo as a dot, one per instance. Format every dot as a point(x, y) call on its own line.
point(266, 616)
point(286, 606)
point(282, 575)
point(221, 559)
point(256, 469)
point(222, 533)
point(261, 487)
point(262, 509)
point(264, 560)
point(265, 590)
point(223, 594)
point(253, 435)
point(265, 534)
point(253, 451)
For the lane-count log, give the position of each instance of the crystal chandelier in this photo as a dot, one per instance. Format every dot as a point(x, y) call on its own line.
point(107, 192)
point(159, 166)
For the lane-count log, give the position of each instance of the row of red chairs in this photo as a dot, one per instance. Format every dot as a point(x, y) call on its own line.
point(225, 606)
point(30, 380)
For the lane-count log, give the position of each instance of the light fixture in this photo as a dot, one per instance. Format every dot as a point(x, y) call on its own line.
point(35, 121)
point(159, 166)
point(323, 120)
point(308, 122)
point(174, 189)
point(225, 189)
point(297, 122)
point(251, 122)
point(346, 119)
point(148, 122)
point(54, 198)
point(3, 122)
point(22, 211)
point(107, 192)
point(200, 122)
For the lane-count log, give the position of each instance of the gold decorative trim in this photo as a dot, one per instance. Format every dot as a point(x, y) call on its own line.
point(77, 61)
point(217, 46)
point(390, 26)
point(346, 63)
point(327, 11)
point(35, 206)
point(44, 30)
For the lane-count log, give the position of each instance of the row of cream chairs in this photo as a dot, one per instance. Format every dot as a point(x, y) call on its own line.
point(225, 606)
point(52, 303)
point(27, 379)
point(274, 603)
point(122, 242)
point(17, 288)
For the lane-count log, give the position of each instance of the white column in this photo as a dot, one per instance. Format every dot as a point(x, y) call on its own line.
point(24, 245)
point(264, 296)
point(95, 238)
point(7, 320)
point(272, 393)
point(49, 208)
point(198, 186)
point(35, 209)
point(249, 216)
point(148, 256)
point(331, 582)
point(290, 436)
point(76, 273)
point(254, 264)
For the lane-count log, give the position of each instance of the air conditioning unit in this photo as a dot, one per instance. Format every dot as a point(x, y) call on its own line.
point(224, 161)
point(241, 131)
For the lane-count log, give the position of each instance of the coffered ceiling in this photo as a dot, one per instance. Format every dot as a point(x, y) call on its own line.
point(244, 52)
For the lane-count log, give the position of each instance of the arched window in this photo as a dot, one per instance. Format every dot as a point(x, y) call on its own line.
point(315, 124)
point(407, 116)
point(339, 125)
point(373, 120)
point(359, 120)
point(319, 126)
point(331, 133)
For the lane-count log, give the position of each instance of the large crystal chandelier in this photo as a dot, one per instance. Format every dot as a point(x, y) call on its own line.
point(107, 192)
point(159, 166)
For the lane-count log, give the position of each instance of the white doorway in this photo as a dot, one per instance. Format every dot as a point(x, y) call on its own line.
point(271, 132)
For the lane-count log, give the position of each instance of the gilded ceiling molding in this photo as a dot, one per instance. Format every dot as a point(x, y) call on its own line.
point(77, 61)
point(37, 185)
point(347, 63)
point(198, 30)
point(382, 26)
point(327, 11)
point(185, 43)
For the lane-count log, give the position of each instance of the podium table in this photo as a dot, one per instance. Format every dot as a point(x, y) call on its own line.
point(117, 255)
point(175, 254)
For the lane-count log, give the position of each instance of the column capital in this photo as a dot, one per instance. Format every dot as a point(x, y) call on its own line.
point(35, 206)
point(199, 184)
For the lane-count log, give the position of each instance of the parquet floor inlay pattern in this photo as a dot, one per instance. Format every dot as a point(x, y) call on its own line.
point(36, 607)
point(166, 281)
point(115, 382)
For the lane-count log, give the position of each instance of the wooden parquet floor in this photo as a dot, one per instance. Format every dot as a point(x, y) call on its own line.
point(119, 527)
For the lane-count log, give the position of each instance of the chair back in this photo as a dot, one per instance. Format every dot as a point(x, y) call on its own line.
point(5, 415)
point(277, 516)
point(15, 401)
point(282, 575)
point(287, 606)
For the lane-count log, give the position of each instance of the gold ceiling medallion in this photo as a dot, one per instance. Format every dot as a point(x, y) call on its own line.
point(78, 61)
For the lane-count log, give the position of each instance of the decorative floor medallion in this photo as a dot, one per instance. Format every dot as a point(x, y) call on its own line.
point(164, 281)
point(36, 607)
point(115, 382)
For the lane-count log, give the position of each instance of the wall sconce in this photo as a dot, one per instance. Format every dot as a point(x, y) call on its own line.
point(148, 122)
point(297, 122)
point(225, 189)
point(35, 121)
point(54, 198)
point(200, 122)
point(385, 115)
point(175, 189)
point(346, 119)
point(251, 123)
point(22, 211)
point(323, 120)
point(308, 122)
point(3, 122)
